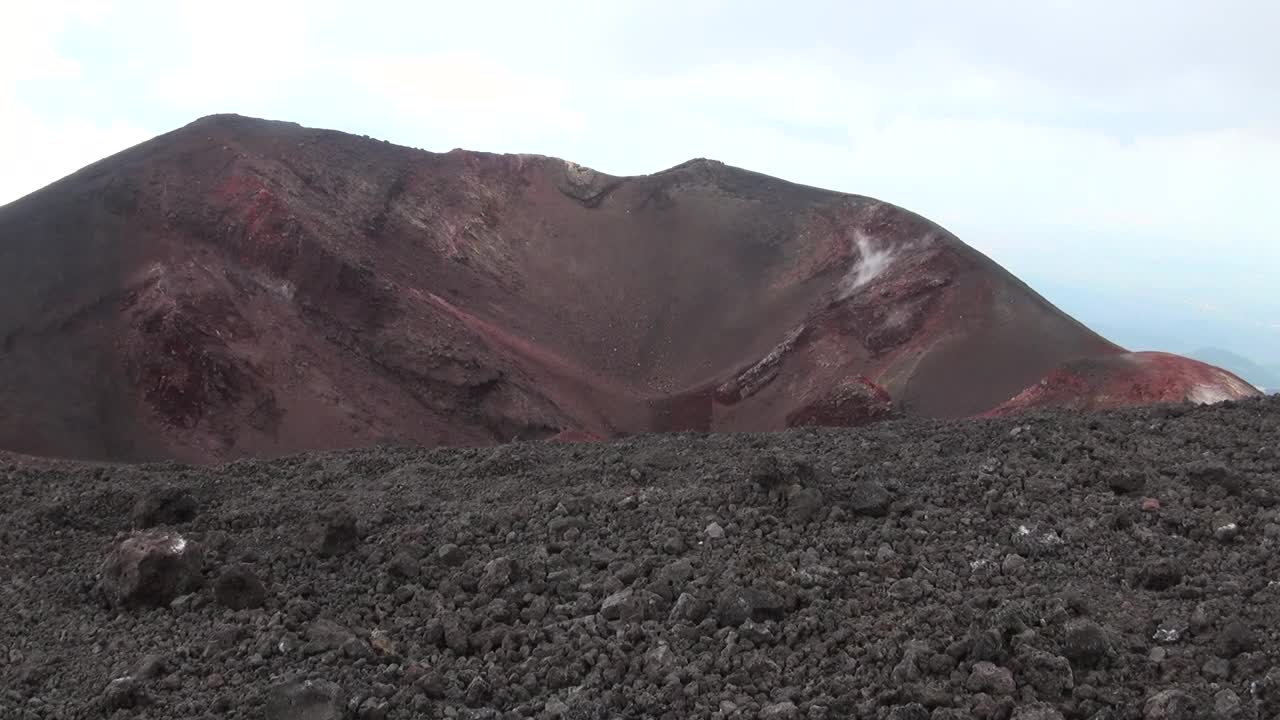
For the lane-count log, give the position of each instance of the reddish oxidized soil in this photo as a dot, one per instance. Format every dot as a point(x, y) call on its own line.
point(249, 288)
point(1126, 379)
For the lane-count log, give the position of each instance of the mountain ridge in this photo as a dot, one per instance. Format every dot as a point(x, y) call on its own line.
point(241, 287)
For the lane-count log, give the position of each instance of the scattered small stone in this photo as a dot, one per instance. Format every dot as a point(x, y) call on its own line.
point(478, 692)
point(906, 589)
point(497, 575)
point(780, 711)
point(732, 607)
point(659, 662)
point(688, 609)
point(373, 709)
point(434, 686)
point(239, 588)
point(805, 505)
point(1216, 669)
point(870, 498)
point(771, 473)
point(450, 555)
point(1235, 639)
point(1266, 691)
point(1013, 564)
point(457, 637)
point(1086, 642)
point(334, 533)
point(631, 606)
point(163, 506)
point(1169, 632)
point(1126, 481)
point(1049, 674)
point(714, 531)
point(1160, 575)
point(380, 641)
point(150, 667)
point(306, 700)
point(990, 678)
point(910, 711)
point(1206, 473)
point(1227, 704)
point(613, 606)
point(405, 566)
point(324, 635)
point(1032, 540)
point(1170, 704)
point(124, 693)
point(1036, 711)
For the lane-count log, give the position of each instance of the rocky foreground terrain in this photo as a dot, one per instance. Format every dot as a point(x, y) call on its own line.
point(1120, 565)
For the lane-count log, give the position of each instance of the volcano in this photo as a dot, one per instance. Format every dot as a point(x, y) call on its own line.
point(242, 288)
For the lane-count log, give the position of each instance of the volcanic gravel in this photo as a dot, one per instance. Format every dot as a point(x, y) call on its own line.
point(1119, 565)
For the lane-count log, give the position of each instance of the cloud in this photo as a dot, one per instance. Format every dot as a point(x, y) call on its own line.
point(469, 101)
point(955, 146)
point(36, 149)
point(27, 50)
point(238, 55)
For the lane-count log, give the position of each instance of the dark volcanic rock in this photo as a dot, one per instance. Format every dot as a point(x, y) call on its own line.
point(1086, 642)
point(1036, 711)
point(869, 497)
point(564, 597)
point(1161, 574)
point(239, 588)
point(123, 693)
point(1171, 704)
point(150, 569)
point(806, 505)
point(988, 678)
point(306, 700)
point(450, 555)
point(334, 533)
point(735, 606)
point(163, 506)
point(1236, 638)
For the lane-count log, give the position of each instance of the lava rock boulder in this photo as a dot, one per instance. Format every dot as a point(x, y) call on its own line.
point(150, 569)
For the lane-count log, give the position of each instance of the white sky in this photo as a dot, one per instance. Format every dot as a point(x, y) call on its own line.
point(1126, 146)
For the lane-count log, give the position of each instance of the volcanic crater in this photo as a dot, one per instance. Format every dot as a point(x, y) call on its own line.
point(242, 287)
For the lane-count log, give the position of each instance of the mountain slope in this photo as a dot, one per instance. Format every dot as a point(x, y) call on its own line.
point(1256, 374)
point(241, 287)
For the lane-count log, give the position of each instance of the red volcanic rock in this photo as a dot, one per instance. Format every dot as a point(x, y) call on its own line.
point(849, 403)
point(1123, 379)
point(240, 287)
